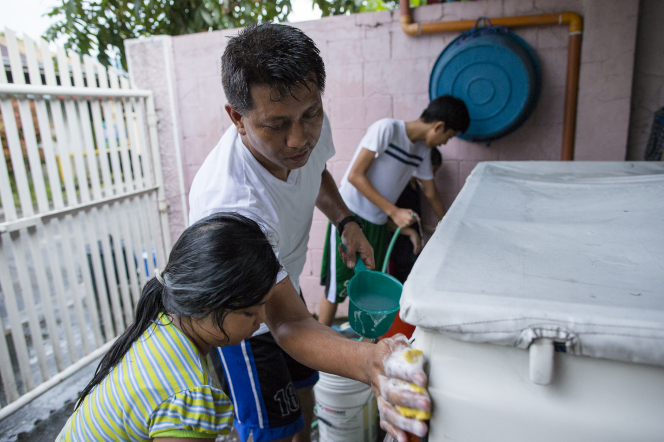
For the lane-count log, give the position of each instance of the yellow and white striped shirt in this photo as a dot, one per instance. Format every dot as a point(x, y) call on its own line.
point(160, 388)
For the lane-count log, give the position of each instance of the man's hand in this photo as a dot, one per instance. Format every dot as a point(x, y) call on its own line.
point(387, 370)
point(355, 243)
point(403, 217)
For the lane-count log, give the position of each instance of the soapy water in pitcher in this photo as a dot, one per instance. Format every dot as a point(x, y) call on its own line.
point(375, 302)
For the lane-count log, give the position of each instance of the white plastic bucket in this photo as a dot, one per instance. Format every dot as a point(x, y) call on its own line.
point(346, 410)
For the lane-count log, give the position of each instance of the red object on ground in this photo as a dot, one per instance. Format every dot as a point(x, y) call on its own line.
point(398, 326)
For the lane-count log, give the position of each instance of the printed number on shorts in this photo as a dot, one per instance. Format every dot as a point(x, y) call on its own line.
point(288, 401)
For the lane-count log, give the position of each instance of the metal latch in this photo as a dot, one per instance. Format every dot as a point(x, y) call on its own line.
point(541, 361)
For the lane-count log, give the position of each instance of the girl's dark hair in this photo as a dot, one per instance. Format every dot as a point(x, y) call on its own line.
point(279, 56)
point(450, 110)
point(222, 263)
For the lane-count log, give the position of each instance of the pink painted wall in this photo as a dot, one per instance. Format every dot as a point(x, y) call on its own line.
point(376, 71)
point(648, 89)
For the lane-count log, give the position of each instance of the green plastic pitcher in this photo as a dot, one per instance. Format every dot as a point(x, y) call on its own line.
point(373, 297)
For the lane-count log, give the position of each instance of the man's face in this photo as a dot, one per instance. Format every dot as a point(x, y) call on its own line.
point(282, 134)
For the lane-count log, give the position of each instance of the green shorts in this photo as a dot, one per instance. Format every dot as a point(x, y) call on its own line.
point(334, 273)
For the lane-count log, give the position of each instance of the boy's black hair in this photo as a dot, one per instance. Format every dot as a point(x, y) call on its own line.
point(436, 157)
point(279, 56)
point(450, 110)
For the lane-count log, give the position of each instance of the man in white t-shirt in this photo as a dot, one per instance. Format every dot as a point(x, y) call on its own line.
point(391, 152)
point(270, 166)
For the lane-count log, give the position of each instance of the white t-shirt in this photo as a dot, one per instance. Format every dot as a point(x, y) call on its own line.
point(232, 180)
point(397, 159)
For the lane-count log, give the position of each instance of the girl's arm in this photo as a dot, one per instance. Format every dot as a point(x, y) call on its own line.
point(358, 178)
point(410, 233)
point(431, 192)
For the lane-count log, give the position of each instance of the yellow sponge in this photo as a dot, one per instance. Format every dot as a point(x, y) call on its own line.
point(412, 356)
point(413, 413)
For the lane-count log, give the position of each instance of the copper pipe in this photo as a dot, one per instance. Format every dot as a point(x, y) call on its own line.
point(571, 95)
point(573, 54)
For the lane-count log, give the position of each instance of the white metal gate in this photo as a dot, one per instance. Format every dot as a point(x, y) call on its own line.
point(82, 221)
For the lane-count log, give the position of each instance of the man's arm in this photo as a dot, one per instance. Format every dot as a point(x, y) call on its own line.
point(324, 349)
point(358, 178)
point(431, 192)
point(329, 202)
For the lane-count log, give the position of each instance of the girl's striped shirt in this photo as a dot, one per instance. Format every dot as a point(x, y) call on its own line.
point(161, 388)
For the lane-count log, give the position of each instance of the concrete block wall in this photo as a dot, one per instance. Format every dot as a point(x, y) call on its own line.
point(375, 71)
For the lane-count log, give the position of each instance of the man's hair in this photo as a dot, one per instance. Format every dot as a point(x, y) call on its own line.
point(450, 110)
point(436, 157)
point(279, 56)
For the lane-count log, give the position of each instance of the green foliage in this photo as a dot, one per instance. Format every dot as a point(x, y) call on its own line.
point(103, 25)
point(337, 7)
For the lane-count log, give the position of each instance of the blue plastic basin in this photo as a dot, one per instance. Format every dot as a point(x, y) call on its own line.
point(496, 74)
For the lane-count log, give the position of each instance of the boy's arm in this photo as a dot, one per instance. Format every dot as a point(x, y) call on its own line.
point(329, 202)
point(431, 192)
point(358, 178)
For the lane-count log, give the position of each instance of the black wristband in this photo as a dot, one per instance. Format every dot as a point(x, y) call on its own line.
point(348, 219)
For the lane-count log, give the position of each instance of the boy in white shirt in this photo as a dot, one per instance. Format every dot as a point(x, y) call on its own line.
point(391, 152)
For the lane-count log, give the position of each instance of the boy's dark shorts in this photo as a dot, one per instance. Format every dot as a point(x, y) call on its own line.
point(262, 380)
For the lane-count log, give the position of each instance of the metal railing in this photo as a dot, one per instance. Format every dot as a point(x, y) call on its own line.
point(82, 216)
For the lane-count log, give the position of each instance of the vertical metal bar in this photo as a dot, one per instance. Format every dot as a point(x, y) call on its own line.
point(131, 119)
point(118, 246)
point(102, 150)
point(139, 108)
point(143, 206)
point(16, 153)
point(122, 134)
point(86, 128)
point(81, 235)
point(52, 231)
point(68, 252)
point(6, 369)
point(17, 247)
point(111, 135)
point(45, 295)
point(131, 247)
point(130, 116)
point(159, 180)
point(44, 126)
point(6, 194)
point(20, 346)
point(151, 201)
point(110, 270)
point(74, 130)
point(60, 131)
point(29, 136)
point(102, 292)
point(142, 241)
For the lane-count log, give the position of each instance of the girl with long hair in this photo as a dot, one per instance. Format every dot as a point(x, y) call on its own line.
point(154, 382)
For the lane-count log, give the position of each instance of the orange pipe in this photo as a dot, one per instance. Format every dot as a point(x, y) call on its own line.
point(572, 19)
